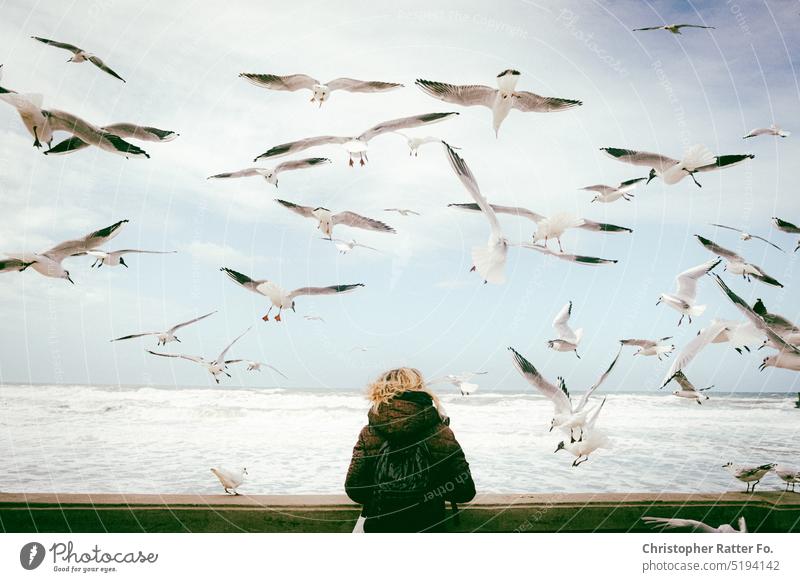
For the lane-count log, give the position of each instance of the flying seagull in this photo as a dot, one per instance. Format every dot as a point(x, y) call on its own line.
point(48, 263)
point(692, 349)
point(490, 260)
point(662, 523)
point(659, 347)
point(414, 143)
point(592, 439)
point(79, 55)
point(122, 130)
point(740, 334)
point(683, 300)
point(34, 118)
point(607, 194)
point(547, 228)
point(570, 418)
point(785, 226)
point(747, 236)
point(673, 28)
point(320, 91)
point(326, 219)
point(460, 381)
point(345, 246)
point(697, 158)
point(254, 366)
point(567, 340)
point(687, 389)
point(231, 480)
point(215, 367)
point(356, 146)
point(771, 130)
point(735, 264)
point(165, 337)
point(402, 211)
point(500, 100)
point(88, 134)
point(750, 474)
point(115, 258)
point(271, 174)
point(279, 297)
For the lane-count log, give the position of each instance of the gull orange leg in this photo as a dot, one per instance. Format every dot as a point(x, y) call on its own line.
point(266, 317)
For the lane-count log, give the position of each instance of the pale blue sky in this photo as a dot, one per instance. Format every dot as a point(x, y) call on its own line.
point(420, 307)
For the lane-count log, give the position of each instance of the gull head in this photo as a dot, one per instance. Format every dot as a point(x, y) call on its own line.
point(560, 447)
point(272, 178)
point(660, 299)
point(321, 94)
point(244, 471)
point(745, 236)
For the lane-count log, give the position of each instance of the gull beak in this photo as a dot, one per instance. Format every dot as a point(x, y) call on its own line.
point(762, 367)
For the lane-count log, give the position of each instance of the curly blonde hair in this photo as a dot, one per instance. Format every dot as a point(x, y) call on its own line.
point(394, 382)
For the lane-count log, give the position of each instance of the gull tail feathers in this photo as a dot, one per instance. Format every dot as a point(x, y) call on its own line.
point(696, 157)
point(490, 264)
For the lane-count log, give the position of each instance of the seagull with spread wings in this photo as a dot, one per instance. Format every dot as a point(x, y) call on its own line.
point(215, 367)
point(271, 174)
point(278, 296)
point(673, 28)
point(356, 146)
point(320, 92)
point(744, 235)
point(659, 348)
point(607, 194)
point(115, 258)
point(48, 263)
point(697, 158)
point(735, 264)
point(567, 340)
point(683, 299)
point(500, 101)
point(771, 130)
point(165, 337)
point(460, 381)
point(326, 219)
point(79, 55)
point(87, 134)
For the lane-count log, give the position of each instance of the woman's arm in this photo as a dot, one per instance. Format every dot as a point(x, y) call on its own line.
point(456, 469)
point(358, 484)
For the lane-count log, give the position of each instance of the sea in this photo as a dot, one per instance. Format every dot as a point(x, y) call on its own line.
point(111, 439)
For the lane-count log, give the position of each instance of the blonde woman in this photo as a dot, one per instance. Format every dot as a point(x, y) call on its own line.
point(407, 462)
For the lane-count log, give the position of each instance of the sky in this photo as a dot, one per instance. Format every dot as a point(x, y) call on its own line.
point(420, 306)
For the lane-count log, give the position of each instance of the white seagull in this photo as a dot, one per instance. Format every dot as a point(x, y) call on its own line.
point(567, 340)
point(687, 389)
point(659, 348)
point(79, 55)
point(356, 146)
point(785, 226)
point(690, 351)
point(88, 134)
point(697, 158)
point(230, 479)
point(736, 265)
point(121, 130)
point(740, 334)
point(784, 327)
point(215, 367)
point(662, 523)
point(34, 118)
point(114, 258)
point(789, 475)
point(592, 439)
point(501, 100)
point(565, 416)
point(414, 143)
point(320, 92)
point(279, 297)
point(48, 263)
point(607, 194)
point(750, 474)
point(255, 366)
point(771, 130)
point(345, 246)
point(271, 174)
point(683, 300)
point(326, 219)
point(673, 28)
point(402, 211)
point(460, 381)
point(547, 228)
point(490, 260)
point(747, 236)
point(165, 337)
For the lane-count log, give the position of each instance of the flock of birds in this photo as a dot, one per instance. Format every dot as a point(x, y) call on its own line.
point(579, 421)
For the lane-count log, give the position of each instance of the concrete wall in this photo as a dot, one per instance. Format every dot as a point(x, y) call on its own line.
point(766, 512)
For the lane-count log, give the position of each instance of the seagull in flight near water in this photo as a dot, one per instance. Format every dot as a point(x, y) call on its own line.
point(501, 100)
point(567, 340)
point(326, 219)
point(165, 337)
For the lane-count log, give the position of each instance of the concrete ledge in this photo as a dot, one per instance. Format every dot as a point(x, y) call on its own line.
point(769, 511)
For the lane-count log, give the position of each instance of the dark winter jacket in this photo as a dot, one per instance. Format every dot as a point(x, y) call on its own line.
point(406, 420)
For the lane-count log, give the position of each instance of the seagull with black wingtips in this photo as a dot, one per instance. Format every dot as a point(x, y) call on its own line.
point(79, 55)
point(736, 265)
point(326, 220)
point(607, 194)
point(271, 174)
point(167, 336)
point(320, 92)
point(786, 226)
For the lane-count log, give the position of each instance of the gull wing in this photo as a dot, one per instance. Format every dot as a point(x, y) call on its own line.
point(221, 357)
point(600, 189)
point(245, 173)
point(306, 211)
point(646, 159)
point(243, 280)
point(649, 28)
point(687, 281)
point(135, 335)
point(62, 45)
point(628, 185)
point(84, 244)
point(273, 368)
point(785, 225)
point(466, 95)
point(142, 132)
point(694, 347)
point(300, 164)
point(14, 264)
point(175, 328)
point(513, 210)
point(196, 359)
point(640, 343)
point(719, 250)
point(278, 83)
point(291, 147)
point(592, 420)
point(468, 180)
point(354, 220)
point(663, 523)
point(357, 86)
point(561, 324)
point(585, 398)
point(727, 227)
point(580, 259)
point(557, 396)
point(527, 101)
point(602, 227)
point(68, 145)
point(404, 123)
point(692, 26)
point(756, 319)
point(725, 162)
point(98, 62)
point(761, 238)
point(330, 290)
point(141, 252)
